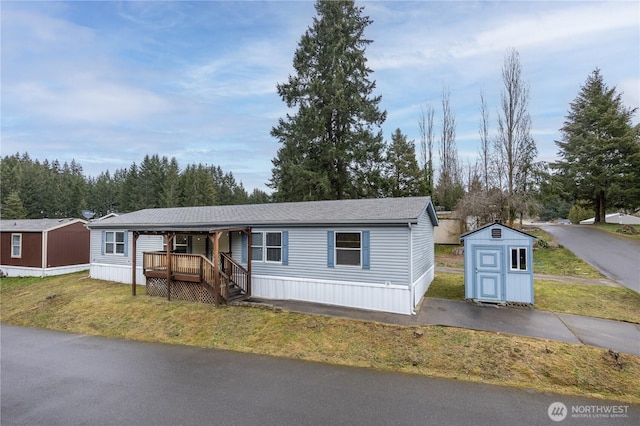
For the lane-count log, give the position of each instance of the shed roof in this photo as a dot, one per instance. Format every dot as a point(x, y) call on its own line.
point(347, 212)
point(488, 225)
point(35, 225)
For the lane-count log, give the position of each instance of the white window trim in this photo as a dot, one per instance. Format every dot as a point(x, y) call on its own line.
point(19, 255)
point(115, 243)
point(175, 244)
point(264, 247)
point(336, 248)
point(526, 254)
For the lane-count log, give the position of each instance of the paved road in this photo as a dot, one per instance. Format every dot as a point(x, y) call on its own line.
point(616, 257)
point(56, 378)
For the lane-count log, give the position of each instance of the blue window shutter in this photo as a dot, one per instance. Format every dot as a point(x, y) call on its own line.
point(285, 248)
point(102, 244)
point(366, 251)
point(126, 243)
point(245, 249)
point(330, 242)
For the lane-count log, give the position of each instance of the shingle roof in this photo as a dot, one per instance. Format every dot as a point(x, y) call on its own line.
point(34, 225)
point(363, 211)
point(488, 225)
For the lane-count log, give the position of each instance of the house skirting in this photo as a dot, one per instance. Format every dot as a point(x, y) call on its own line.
point(117, 273)
point(377, 297)
point(23, 271)
point(421, 285)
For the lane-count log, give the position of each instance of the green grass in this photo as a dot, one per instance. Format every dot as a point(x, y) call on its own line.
point(616, 303)
point(613, 228)
point(77, 304)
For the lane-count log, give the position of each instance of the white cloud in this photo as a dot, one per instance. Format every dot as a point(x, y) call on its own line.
point(88, 101)
point(563, 28)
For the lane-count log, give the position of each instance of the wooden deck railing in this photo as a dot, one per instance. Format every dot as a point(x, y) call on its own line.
point(197, 268)
point(236, 273)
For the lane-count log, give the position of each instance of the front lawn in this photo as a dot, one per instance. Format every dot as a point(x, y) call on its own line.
point(77, 304)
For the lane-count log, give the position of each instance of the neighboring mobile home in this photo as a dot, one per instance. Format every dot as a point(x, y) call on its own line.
point(375, 254)
point(43, 247)
point(498, 264)
point(619, 218)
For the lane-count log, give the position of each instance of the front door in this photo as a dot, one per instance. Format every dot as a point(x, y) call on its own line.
point(488, 274)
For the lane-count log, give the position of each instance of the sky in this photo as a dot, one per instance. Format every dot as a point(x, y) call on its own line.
point(107, 82)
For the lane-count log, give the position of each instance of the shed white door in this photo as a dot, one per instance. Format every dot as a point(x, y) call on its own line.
point(488, 274)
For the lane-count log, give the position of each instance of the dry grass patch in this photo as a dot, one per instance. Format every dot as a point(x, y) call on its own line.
point(615, 229)
point(616, 303)
point(77, 304)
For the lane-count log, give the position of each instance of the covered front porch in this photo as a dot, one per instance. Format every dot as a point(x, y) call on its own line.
point(203, 272)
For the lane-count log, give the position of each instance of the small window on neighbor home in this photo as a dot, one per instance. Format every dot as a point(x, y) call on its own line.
point(16, 245)
point(114, 242)
point(496, 233)
point(348, 247)
point(519, 259)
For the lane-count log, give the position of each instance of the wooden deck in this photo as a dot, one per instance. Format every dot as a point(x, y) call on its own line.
point(230, 280)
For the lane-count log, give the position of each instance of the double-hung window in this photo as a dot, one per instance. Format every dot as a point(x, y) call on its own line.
point(348, 248)
point(518, 258)
point(266, 246)
point(16, 245)
point(181, 244)
point(257, 254)
point(114, 242)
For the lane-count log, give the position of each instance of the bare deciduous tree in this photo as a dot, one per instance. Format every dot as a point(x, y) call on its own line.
point(485, 143)
point(515, 147)
point(449, 189)
point(426, 144)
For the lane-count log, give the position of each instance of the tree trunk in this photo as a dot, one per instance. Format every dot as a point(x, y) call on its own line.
point(602, 208)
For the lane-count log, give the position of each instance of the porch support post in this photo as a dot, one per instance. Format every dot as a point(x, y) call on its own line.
point(169, 238)
point(216, 267)
point(249, 255)
point(134, 262)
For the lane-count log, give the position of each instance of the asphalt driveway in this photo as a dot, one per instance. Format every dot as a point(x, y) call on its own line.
point(616, 257)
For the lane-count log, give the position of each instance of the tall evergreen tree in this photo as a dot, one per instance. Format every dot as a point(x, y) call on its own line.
point(170, 193)
point(600, 149)
point(332, 144)
point(13, 208)
point(404, 175)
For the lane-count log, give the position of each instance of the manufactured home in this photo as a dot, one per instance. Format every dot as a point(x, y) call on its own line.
point(43, 247)
point(375, 254)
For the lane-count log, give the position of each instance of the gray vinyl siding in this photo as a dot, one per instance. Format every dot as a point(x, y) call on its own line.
point(422, 252)
point(144, 243)
point(389, 256)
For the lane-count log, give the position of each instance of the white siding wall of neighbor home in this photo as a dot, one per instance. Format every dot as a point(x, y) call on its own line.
point(21, 271)
point(422, 255)
point(517, 285)
point(385, 286)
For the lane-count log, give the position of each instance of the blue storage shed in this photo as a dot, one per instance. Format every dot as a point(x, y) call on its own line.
point(498, 264)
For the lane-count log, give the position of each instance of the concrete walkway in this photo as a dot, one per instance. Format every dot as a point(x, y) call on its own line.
point(615, 335)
